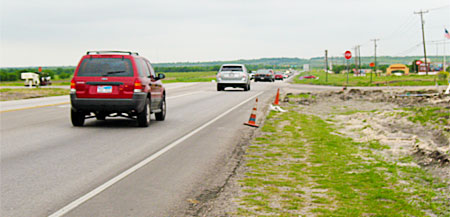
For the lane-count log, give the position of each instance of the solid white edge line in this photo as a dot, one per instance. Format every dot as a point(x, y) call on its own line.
point(129, 171)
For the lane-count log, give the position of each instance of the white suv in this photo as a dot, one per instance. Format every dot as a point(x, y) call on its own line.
point(233, 75)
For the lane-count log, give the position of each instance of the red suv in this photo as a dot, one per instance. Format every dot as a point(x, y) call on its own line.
point(116, 83)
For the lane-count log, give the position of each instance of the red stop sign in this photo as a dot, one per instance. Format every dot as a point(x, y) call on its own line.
point(418, 62)
point(372, 64)
point(348, 55)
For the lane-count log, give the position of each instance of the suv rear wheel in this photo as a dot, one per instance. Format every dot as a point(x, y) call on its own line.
point(77, 118)
point(246, 87)
point(143, 118)
point(220, 87)
point(160, 116)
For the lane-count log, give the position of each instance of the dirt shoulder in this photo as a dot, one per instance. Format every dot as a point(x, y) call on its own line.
point(351, 152)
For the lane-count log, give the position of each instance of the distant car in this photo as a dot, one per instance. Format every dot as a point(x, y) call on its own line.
point(121, 83)
point(252, 75)
point(264, 75)
point(279, 76)
point(233, 75)
point(307, 77)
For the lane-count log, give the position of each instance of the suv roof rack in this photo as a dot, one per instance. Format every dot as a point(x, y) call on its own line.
point(112, 51)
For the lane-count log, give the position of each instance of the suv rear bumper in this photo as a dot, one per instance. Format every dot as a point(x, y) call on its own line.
point(136, 103)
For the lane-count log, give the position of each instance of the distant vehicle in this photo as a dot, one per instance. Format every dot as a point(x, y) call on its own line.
point(252, 75)
point(35, 79)
point(31, 78)
point(233, 75)
point(307, 77)
point(118, 83)
point(279, 76)
point(265, 75)
point(45, 80)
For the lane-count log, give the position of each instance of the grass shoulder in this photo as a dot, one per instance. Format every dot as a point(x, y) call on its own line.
point(301, 166)
point(7, 94)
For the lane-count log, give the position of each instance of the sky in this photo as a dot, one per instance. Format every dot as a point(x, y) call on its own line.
point(59, 32)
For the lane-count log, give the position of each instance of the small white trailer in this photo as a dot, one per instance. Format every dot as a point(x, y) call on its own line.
point(31, 78)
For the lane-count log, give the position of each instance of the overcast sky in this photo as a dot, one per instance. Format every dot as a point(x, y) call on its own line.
point(59, 32)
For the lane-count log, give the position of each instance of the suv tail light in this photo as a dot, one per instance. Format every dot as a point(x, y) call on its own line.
point(137, 86)
point(72, 86)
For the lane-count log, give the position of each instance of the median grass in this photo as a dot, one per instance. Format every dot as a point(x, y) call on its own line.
point(341, 80)
point(172, 77)
point(27, 93)
point(301, 167)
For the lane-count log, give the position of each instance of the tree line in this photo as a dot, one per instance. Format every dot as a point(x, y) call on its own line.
point(13, 74)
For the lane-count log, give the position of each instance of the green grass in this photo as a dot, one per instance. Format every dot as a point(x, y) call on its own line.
point(302, 95)
point(27, 93)
point(341, 80)
point(298, 152)
point(20, 83)
point(427, 115)
point(172, 77)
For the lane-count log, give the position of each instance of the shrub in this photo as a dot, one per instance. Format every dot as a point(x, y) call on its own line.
point(443, 75)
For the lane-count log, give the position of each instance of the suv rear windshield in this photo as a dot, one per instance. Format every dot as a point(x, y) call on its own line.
point(232, 68)
point(114, 67)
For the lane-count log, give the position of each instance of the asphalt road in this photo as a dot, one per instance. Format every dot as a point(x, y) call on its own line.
point(49, 167)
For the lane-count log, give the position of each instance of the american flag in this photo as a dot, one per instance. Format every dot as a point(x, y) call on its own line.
point(447, 35)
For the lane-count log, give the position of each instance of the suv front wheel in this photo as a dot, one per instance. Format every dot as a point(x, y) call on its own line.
point(143, 118)
point(160, 116)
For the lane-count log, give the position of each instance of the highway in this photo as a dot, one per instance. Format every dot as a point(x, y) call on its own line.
point(113, 167)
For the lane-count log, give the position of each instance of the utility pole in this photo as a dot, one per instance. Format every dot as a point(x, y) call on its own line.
point(375, 57)
point(359, 58)
point(326, 65)
point(423, 37)
point(356, 59)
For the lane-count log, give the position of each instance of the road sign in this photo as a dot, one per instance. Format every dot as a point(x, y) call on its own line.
point(418, 62)
point(348, 55)
point(372, 64)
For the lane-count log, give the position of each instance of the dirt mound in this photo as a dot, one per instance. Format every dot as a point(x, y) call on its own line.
point(410, 123)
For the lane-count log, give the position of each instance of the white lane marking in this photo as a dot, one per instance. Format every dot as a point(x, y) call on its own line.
point(187, 94)
point(149, 159)
point(179, 85)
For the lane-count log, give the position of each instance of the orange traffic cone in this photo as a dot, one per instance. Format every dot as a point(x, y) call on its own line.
point(252, 119)
point(277, 98)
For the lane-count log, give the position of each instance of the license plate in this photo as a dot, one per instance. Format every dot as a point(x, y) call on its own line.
point(104, 89)
point(262, 77)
